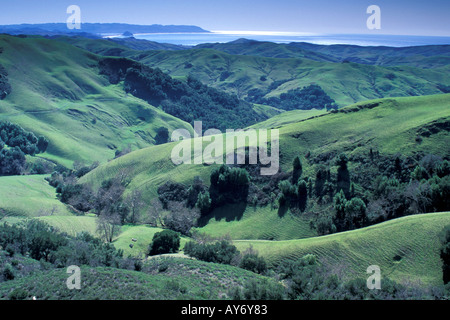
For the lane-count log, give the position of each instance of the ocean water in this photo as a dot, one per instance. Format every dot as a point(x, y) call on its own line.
point(192, 39)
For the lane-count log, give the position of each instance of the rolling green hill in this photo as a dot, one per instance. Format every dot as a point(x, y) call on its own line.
point(29, 196)
point(243, 65)
point(388, 125)
point(346, 83)
point(57, 92)
point(416, 56)
point(179, 279)
point(405, 249)
point(287, 117)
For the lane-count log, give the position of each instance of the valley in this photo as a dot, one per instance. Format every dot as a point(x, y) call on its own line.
point(363, 177)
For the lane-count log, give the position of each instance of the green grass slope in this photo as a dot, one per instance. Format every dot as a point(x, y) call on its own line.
point(242, 65)
point(57, 92)
point(143, 234)
point(405, 249)
point(179, 279)
point(346, 83)
point(388, 125)
point(287, 117)
point(29, 196)
point(256, 223)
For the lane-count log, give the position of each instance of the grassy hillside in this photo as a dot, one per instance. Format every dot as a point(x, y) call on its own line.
point(388, 125)
point(346, 83)
point(179, 279)
point(287, 117)
point(29, 196)
point(57, 92)
point(405, 249)
point(239, 66)
point(256, 223)
point(143, 234)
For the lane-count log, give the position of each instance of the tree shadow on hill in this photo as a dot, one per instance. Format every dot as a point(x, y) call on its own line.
point(229, 212)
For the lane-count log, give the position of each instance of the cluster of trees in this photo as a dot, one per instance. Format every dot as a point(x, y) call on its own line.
point(189, 101)
point(41, 242)
point(186, 204)
point(15, 143)
point(228, 185)
point(223, 251)
point(310, 97)
point(380, 188)
point(108, 202)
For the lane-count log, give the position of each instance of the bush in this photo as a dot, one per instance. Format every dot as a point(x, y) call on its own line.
point(166, 241)
point(18, 294)
point(219, 252)
point(253, 262)
point(258, 290)
point(162, 135)
point(8, 272)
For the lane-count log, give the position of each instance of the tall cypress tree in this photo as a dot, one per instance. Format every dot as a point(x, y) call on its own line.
point(343, 175)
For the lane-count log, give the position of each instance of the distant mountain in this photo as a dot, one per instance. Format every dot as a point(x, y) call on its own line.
point(432, 56)
point(95, 28)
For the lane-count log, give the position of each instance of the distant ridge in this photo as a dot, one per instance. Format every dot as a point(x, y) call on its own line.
point(96, 28)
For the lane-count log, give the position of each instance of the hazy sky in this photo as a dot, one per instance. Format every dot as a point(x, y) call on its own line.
point(429, 17)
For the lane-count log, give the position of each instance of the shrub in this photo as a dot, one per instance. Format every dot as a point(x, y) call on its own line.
point(18, 294)
point(162, 135)
point(219, 252)
point(258, 290)
point(8, 272)
point(166, 241)
point(253, 262)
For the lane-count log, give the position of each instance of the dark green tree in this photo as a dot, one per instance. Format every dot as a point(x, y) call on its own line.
point(297, 169)
point(339, 207)
point(321, 178)
point(204, 202)
point(166, 241)
point(343, 175)
point(162, 135)
point(355, 214)
point(302, 194)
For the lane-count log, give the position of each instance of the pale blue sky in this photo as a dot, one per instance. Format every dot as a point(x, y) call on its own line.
point(429, 17)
